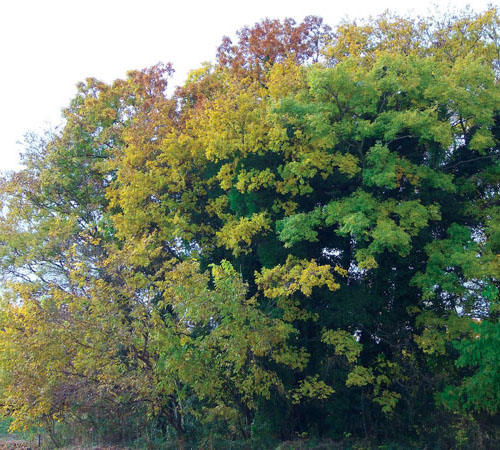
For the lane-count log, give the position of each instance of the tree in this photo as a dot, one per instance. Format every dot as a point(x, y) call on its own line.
point(302, 240)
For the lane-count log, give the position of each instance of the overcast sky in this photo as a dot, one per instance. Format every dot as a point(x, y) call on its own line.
point(47, 46)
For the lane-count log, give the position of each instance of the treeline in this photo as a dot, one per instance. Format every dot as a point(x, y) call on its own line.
point(300, 243)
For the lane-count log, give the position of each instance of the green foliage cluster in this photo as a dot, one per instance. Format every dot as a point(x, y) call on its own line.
point(301, 242)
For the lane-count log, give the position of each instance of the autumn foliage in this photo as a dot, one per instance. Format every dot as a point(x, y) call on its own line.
point(302, 241)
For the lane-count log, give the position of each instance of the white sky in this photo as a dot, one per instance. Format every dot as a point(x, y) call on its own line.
point(47, 46)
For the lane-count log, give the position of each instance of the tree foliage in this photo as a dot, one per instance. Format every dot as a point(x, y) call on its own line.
point(302, 240)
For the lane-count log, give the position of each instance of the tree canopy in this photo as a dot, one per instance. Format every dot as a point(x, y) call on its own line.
point(302, 241)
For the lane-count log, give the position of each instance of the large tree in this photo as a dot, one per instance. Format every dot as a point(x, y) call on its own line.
point(302, 240)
